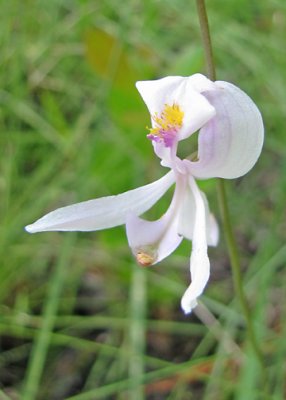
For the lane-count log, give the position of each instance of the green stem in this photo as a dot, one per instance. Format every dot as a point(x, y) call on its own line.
point(222, 199)
point(206, 39)
point(236, 271)
point(137, 332)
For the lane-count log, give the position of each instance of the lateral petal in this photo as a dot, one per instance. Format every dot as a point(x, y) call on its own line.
point(199, 261)
point(231, 142)
point(152, 241)
point(188, 215)
point(105, 212)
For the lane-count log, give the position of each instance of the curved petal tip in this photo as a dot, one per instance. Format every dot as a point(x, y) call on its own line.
point(186, 304)
point(30, 228)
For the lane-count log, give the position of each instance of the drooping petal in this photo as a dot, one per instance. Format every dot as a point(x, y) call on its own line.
point(199, 262)
point(188, 215)
point(105, 212)
point(231, 142)
point(183, 92)
point(152, 241)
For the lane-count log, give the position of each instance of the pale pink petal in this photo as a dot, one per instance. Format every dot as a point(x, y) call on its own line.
point(231, 142)
point(105, 212)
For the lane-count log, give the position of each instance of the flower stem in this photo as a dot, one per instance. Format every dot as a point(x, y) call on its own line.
point(222, 199)
point(236, 272)
point(137, 332)
point(206, 38)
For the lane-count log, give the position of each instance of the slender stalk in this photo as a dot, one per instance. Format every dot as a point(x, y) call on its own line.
point(206, 39)
point(137, 332)
point(236, 272)
point(222, 199)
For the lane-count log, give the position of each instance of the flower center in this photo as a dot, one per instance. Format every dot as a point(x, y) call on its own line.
point(167, 125)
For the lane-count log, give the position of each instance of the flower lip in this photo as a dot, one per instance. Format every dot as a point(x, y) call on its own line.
point(183, 91)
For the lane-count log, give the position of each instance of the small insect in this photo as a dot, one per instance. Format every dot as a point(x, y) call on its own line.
point(145, 259)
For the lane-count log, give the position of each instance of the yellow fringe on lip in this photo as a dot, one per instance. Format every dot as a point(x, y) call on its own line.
point(170, 118)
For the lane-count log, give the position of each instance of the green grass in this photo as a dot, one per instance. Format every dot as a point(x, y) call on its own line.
point(78, 318)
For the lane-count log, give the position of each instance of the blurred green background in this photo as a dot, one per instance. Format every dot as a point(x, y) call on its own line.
point(78, 318)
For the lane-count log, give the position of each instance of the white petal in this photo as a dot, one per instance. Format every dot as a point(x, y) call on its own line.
point(231, 142)
point(183, 91)
point(200, 83)
point(197, 109)
point(158, 92)
point(187, 219)
point(199, 263)
point(212, 231)
point(105, 212)
point(165, 153)
point(152, 241)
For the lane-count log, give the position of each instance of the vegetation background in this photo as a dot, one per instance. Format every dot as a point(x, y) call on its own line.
point(78, 318)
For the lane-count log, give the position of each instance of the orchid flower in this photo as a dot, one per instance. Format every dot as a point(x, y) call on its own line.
point(230, 140)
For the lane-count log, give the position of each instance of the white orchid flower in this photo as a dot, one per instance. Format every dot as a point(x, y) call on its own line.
point(230, 140)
